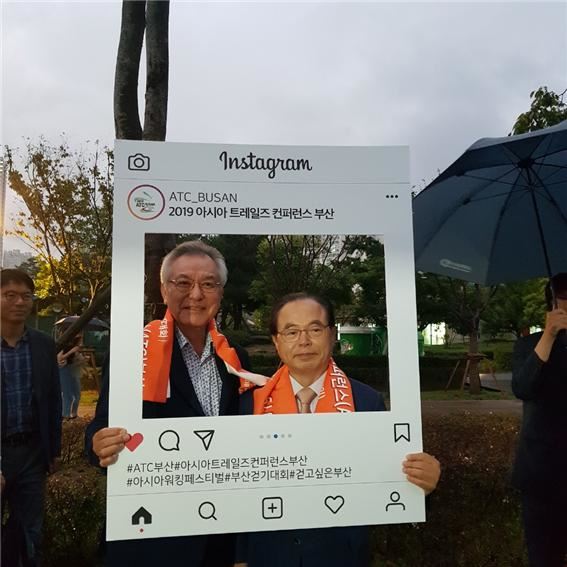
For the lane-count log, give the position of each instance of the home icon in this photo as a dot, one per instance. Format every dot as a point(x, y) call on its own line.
point(141, 516)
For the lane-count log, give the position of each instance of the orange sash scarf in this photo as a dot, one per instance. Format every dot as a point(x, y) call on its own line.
point(158, 348)
point(277, 395)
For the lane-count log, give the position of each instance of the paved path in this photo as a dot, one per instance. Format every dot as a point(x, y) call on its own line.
point(503, 381)
point(447, 407)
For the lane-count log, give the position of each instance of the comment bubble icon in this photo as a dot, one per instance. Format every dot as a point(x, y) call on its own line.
point(169, 440)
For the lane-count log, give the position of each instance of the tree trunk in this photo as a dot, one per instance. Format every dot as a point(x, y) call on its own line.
point(155, 122)
point(157, 246)
point(126, 115)
point(127, 122)
point(237, 317)
point(157, 65)
point(474, 377)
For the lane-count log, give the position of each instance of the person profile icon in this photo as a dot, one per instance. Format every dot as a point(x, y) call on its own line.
point(395, 501)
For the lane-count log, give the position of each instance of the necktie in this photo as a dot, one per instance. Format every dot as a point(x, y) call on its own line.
point(305, 397)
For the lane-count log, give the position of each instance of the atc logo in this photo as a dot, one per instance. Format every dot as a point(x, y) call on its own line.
point(146, 202)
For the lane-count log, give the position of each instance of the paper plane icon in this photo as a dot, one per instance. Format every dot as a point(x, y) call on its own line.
point(206, 436)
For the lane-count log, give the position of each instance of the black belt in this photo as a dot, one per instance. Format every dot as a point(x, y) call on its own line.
point(19, 439)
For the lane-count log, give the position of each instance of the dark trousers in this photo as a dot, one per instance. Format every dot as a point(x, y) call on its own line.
point(545, 527)
point(24, 469)
point(185, 551)
point(70, 378)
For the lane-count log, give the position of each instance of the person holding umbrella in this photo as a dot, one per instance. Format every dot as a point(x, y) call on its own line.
point(514, 187)
point(539, 378)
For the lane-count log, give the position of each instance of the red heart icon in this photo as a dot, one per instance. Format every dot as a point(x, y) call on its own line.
point(134, 442)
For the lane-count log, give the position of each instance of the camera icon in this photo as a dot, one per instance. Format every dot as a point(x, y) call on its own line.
point(139, 162)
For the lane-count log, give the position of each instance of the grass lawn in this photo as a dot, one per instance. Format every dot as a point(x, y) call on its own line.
point(465, 395)
point(484, 346)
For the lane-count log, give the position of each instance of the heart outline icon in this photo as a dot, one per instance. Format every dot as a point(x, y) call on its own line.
point(134, 442)
point(334, 503)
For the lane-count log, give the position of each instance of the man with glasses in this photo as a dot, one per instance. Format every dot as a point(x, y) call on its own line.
point(31, 419)
point(309, 381)
point(185, 376)
point(539, 378)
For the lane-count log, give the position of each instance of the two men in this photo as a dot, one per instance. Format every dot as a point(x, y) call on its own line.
point(303, 331)
point(187, 377)
point(539, 378)
point(31, 418)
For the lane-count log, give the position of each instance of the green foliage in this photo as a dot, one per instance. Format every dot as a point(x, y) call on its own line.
point(369, 276)
point(464, 305)
point(75, 505)
point(240, 254)
point(547, 109)
point(348, 270)
point(431, 307)
point(74, 516)
point(68, 217)
point(40, 272)
point(291, 263)
point(458, 303)
point(503, 361)
point(517, 306)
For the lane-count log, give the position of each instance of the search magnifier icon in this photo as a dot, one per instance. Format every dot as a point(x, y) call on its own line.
point(207, 511)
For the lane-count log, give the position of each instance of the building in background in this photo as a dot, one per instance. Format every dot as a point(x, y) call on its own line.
point(14, 258)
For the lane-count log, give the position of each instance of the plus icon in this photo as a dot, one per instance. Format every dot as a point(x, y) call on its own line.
point(272, 508)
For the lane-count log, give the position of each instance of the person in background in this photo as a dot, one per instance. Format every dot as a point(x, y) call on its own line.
point(31, 419)
point(303, 332)
point(71, 363)
point(539, 378)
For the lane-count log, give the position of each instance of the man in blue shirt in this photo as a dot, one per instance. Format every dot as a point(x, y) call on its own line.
point(31, 418)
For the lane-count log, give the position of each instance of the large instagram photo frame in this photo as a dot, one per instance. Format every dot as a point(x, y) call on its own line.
point(223, 474)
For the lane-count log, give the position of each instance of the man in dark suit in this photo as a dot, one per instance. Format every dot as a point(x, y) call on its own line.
point(539, 378)
point(303, 332)
point(31, 418)
point(192, 280)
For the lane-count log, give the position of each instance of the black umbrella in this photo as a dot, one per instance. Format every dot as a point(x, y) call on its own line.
point(499, 213)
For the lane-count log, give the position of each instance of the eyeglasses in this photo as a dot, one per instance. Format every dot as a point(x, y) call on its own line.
point(292, 334)
point(13, 296)
point(186, 286)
